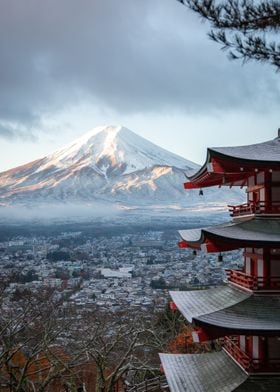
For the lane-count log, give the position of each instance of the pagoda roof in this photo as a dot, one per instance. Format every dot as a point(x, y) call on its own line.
point(233, 165)
point(254, 231)
point(230, 308)
point(261, 152)
point(195, 303)
point(212, 372)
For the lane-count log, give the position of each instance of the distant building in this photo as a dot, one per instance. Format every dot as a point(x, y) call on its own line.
point(120, 273)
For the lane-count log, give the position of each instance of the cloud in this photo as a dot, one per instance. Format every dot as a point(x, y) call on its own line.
point(129, 56)
point(59, 213)
point(14, 131)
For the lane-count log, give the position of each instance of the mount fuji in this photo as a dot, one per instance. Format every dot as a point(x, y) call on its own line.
point(109, 164)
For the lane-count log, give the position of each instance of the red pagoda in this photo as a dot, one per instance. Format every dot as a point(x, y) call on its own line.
point(245, 312)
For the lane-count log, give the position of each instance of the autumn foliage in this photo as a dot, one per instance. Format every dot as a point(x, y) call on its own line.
point(183, 342)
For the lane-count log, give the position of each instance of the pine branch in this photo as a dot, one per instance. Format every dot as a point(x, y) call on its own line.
point(245, 15)
point(248, 48)
point(242, 26)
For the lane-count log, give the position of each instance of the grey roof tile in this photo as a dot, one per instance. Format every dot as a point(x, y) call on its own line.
point(259, 155)
point(257, 313)
point(267, 151)
point(229, 307)
point(256, 229)
point(213, 372)
point(193, 304)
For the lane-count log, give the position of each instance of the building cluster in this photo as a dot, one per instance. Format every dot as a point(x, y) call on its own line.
point(114, 272)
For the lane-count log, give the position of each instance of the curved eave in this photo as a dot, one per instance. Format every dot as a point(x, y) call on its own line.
point(230, 310)
point(193, 304)
point(237, 242)
point(212, 372)
point(202, 372)
point(260, 314)
point(218, 179)
point(265, 153)
point(243, 160)
point(233, 235)
point(203, 169)
point(192, 237)
point(232, 165)
point(214, 331)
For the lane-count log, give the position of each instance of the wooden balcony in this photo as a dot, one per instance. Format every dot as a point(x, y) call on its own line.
point(231, 347)
point(255, 208)
point(252, 365)
point(253, 283)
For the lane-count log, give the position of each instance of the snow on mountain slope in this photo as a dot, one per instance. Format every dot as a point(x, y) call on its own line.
point(113, 150)
point(108, 164)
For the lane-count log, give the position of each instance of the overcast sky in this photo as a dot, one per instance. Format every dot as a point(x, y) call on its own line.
point(68, 66)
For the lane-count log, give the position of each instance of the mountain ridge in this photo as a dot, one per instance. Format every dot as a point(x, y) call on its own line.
point(109, 163)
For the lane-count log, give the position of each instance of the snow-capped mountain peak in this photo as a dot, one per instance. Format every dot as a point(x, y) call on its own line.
point(114, 150)
point(109, 163)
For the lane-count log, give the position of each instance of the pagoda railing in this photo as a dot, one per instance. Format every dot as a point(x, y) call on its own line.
point(261, 207)
point(253, 282)
point(230, 345)
point(248, 363)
